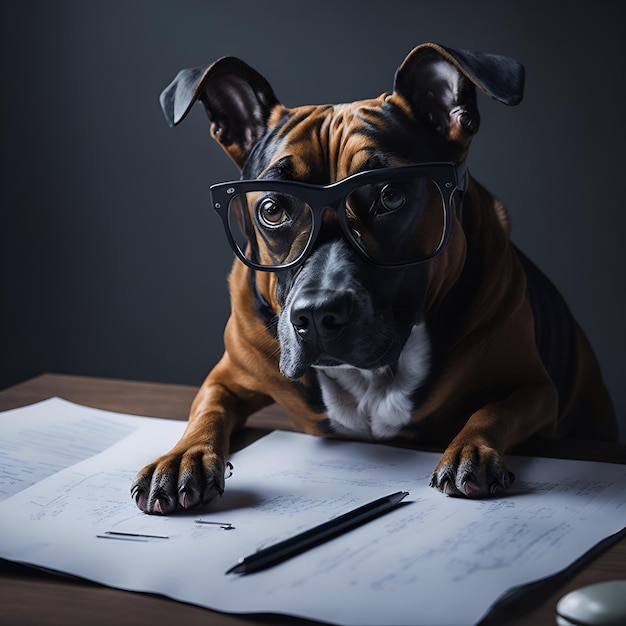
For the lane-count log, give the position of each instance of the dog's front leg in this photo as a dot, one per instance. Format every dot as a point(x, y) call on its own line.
point(472, 465)
point(192, 473)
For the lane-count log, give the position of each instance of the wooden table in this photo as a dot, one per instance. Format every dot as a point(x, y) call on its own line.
point(29, 596)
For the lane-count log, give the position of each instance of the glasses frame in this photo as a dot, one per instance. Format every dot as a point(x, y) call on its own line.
point(448, 177)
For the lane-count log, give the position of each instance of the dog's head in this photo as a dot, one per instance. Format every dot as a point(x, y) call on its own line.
point(358, 202)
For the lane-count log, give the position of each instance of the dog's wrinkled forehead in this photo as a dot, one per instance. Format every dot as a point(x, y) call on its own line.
point(430, 115)
point(322, 144)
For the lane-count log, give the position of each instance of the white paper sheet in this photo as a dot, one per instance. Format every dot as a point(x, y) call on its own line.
point(433, 560)
point(38, 440)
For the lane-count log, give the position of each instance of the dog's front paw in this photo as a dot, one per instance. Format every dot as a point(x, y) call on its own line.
point(179, 481)
point(471, 470)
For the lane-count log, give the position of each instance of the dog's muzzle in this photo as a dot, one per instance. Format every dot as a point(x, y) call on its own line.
point(329, 316)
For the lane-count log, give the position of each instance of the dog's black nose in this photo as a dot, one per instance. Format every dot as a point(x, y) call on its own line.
point(320, 315)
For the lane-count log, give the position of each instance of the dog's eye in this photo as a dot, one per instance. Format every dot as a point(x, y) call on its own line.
point(271, 213)
point(391, 199)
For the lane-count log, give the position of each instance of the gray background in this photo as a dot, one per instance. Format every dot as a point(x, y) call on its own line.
point(111, 262)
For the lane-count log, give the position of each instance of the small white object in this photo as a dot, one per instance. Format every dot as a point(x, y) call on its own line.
point(600, 604)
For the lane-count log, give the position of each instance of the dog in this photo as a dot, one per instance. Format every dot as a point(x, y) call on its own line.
point(375, 293)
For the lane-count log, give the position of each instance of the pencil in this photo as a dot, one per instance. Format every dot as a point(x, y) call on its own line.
point(308, 539)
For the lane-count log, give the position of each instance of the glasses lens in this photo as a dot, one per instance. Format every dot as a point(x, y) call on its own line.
point(270, 229)
point(401, 220)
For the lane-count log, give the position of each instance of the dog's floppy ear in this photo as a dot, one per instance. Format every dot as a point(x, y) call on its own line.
point(438, 83)
point(238, 101)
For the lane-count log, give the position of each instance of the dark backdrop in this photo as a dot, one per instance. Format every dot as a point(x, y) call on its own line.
point(111, 263)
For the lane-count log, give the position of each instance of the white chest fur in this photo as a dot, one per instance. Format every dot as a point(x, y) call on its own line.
point(376, 404)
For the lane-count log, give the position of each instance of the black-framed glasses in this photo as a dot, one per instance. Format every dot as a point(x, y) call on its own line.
point(395, 216)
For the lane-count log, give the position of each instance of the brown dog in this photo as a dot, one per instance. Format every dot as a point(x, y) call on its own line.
point(376, 294)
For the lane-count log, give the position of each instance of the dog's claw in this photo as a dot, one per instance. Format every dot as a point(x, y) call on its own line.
point(138, 495)
point(468, 488)
point(185, 500)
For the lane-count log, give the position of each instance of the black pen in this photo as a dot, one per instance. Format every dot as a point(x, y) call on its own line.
point(319, 534)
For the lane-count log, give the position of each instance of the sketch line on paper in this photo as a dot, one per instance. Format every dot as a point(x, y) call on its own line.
point(112, 534)
point(222, 525)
